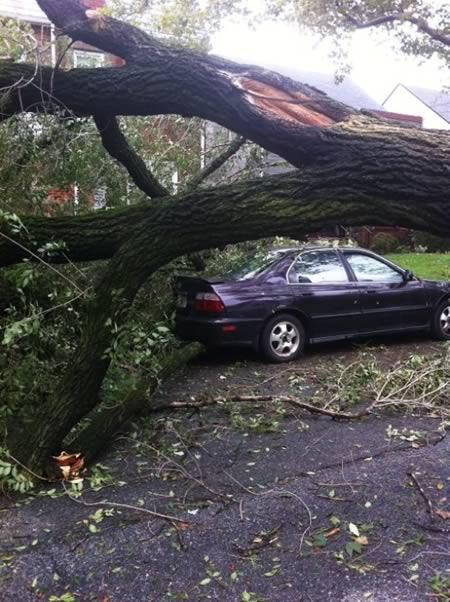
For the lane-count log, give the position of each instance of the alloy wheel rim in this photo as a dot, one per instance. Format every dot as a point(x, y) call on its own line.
point(445, 320)
point(285, 339)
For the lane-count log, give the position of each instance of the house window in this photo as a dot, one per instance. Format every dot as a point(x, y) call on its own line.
point(86, 59)
point(100, 198)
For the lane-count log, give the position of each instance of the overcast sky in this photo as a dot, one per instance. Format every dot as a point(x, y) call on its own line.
point(376, 67)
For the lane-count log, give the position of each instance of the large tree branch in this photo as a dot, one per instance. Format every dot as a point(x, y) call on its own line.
point(77, 20)
point(406, 184)
point(117, 146)
point(401, 17)
point(216, 163)
point(403, 173)
point(237, 100)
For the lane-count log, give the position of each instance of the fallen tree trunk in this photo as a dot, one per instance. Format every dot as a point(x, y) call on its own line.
point(355, 170)
point(104, 424)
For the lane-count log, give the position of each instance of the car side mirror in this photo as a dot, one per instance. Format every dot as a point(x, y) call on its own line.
point(408, 276)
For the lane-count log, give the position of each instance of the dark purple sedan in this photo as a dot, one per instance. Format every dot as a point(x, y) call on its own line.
point(287, 298)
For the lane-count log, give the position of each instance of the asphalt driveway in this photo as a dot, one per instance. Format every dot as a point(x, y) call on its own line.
point(288, 509)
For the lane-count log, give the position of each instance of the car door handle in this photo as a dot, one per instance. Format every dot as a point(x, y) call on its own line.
point(371, 291)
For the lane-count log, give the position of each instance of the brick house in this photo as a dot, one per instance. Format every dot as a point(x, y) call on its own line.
point(51, 50)
point(80, 55)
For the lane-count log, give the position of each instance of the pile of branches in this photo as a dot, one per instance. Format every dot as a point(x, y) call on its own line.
point(418, 385)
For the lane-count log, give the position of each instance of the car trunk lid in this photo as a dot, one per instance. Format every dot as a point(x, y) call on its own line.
point(190, 289)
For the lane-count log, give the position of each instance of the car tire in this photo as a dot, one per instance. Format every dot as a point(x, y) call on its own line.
point(283, 338)
point(440, 327)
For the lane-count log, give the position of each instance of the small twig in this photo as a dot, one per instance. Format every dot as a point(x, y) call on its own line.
point(422, 492)
point(321, 484)
point(432, 528)
point(186, 474)
point(48, 265)
point(40, 477)
point(266, 540)
point(276, 376)
point(173, 519)
point(281, 492)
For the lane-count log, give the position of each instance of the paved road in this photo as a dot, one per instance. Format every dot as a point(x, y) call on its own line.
point(268, 510)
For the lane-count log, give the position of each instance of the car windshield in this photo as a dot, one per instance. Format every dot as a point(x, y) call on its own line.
point(254, 264)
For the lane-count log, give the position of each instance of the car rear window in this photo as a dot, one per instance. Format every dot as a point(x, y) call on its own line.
point(253, 265)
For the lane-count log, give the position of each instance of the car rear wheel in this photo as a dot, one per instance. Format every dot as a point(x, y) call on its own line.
point(283, 338)
point(441, 321)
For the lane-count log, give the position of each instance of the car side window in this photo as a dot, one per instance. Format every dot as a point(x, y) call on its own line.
point(369, 269)
point(317, 267)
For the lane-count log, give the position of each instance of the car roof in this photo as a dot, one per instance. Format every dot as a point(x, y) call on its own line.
point(318, 248)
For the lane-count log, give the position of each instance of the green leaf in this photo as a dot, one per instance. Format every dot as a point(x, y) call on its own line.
point(320, 540)
point(335, 521)
point(352, 547)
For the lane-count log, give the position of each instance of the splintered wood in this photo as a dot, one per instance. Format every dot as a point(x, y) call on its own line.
point(291, 106)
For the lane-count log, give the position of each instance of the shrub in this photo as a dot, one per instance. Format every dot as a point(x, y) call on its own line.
point(432, 243)
point(384, 243)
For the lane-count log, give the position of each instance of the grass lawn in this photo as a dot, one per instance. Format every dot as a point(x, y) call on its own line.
point(435, 266)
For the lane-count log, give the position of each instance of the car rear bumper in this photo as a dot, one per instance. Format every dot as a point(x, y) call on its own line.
point(218, 332)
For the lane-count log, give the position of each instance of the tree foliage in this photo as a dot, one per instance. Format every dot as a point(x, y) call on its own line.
point(420, 28)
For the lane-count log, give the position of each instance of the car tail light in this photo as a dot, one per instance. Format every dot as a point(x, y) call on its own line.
point(208, 302)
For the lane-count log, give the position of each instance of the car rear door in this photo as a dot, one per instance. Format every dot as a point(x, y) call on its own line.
point(389, 301)
point(322, 289)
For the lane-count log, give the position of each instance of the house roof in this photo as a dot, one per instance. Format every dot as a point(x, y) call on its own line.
point(24, 10)
point(416, 120)
point(347, 92)
point(436, 100)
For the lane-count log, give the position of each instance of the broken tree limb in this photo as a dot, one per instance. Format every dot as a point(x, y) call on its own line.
point(118, 147)
point(216, 163)
point(290, 204)
point(205, 402)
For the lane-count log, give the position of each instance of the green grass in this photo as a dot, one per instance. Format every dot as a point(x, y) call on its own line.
point(435, 266)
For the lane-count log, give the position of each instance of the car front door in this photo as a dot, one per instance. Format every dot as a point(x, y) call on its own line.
point(389, 300)
point(322, 289)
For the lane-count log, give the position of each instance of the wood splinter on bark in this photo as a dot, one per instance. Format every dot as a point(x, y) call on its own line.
point(69, 466)
point(288, 106)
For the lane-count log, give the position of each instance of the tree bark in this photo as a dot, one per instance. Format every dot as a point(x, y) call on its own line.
point(104, 424)
point(117, 146)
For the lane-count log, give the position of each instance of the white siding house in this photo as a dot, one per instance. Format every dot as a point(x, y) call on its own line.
point(432, 105)
point(24, 10)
